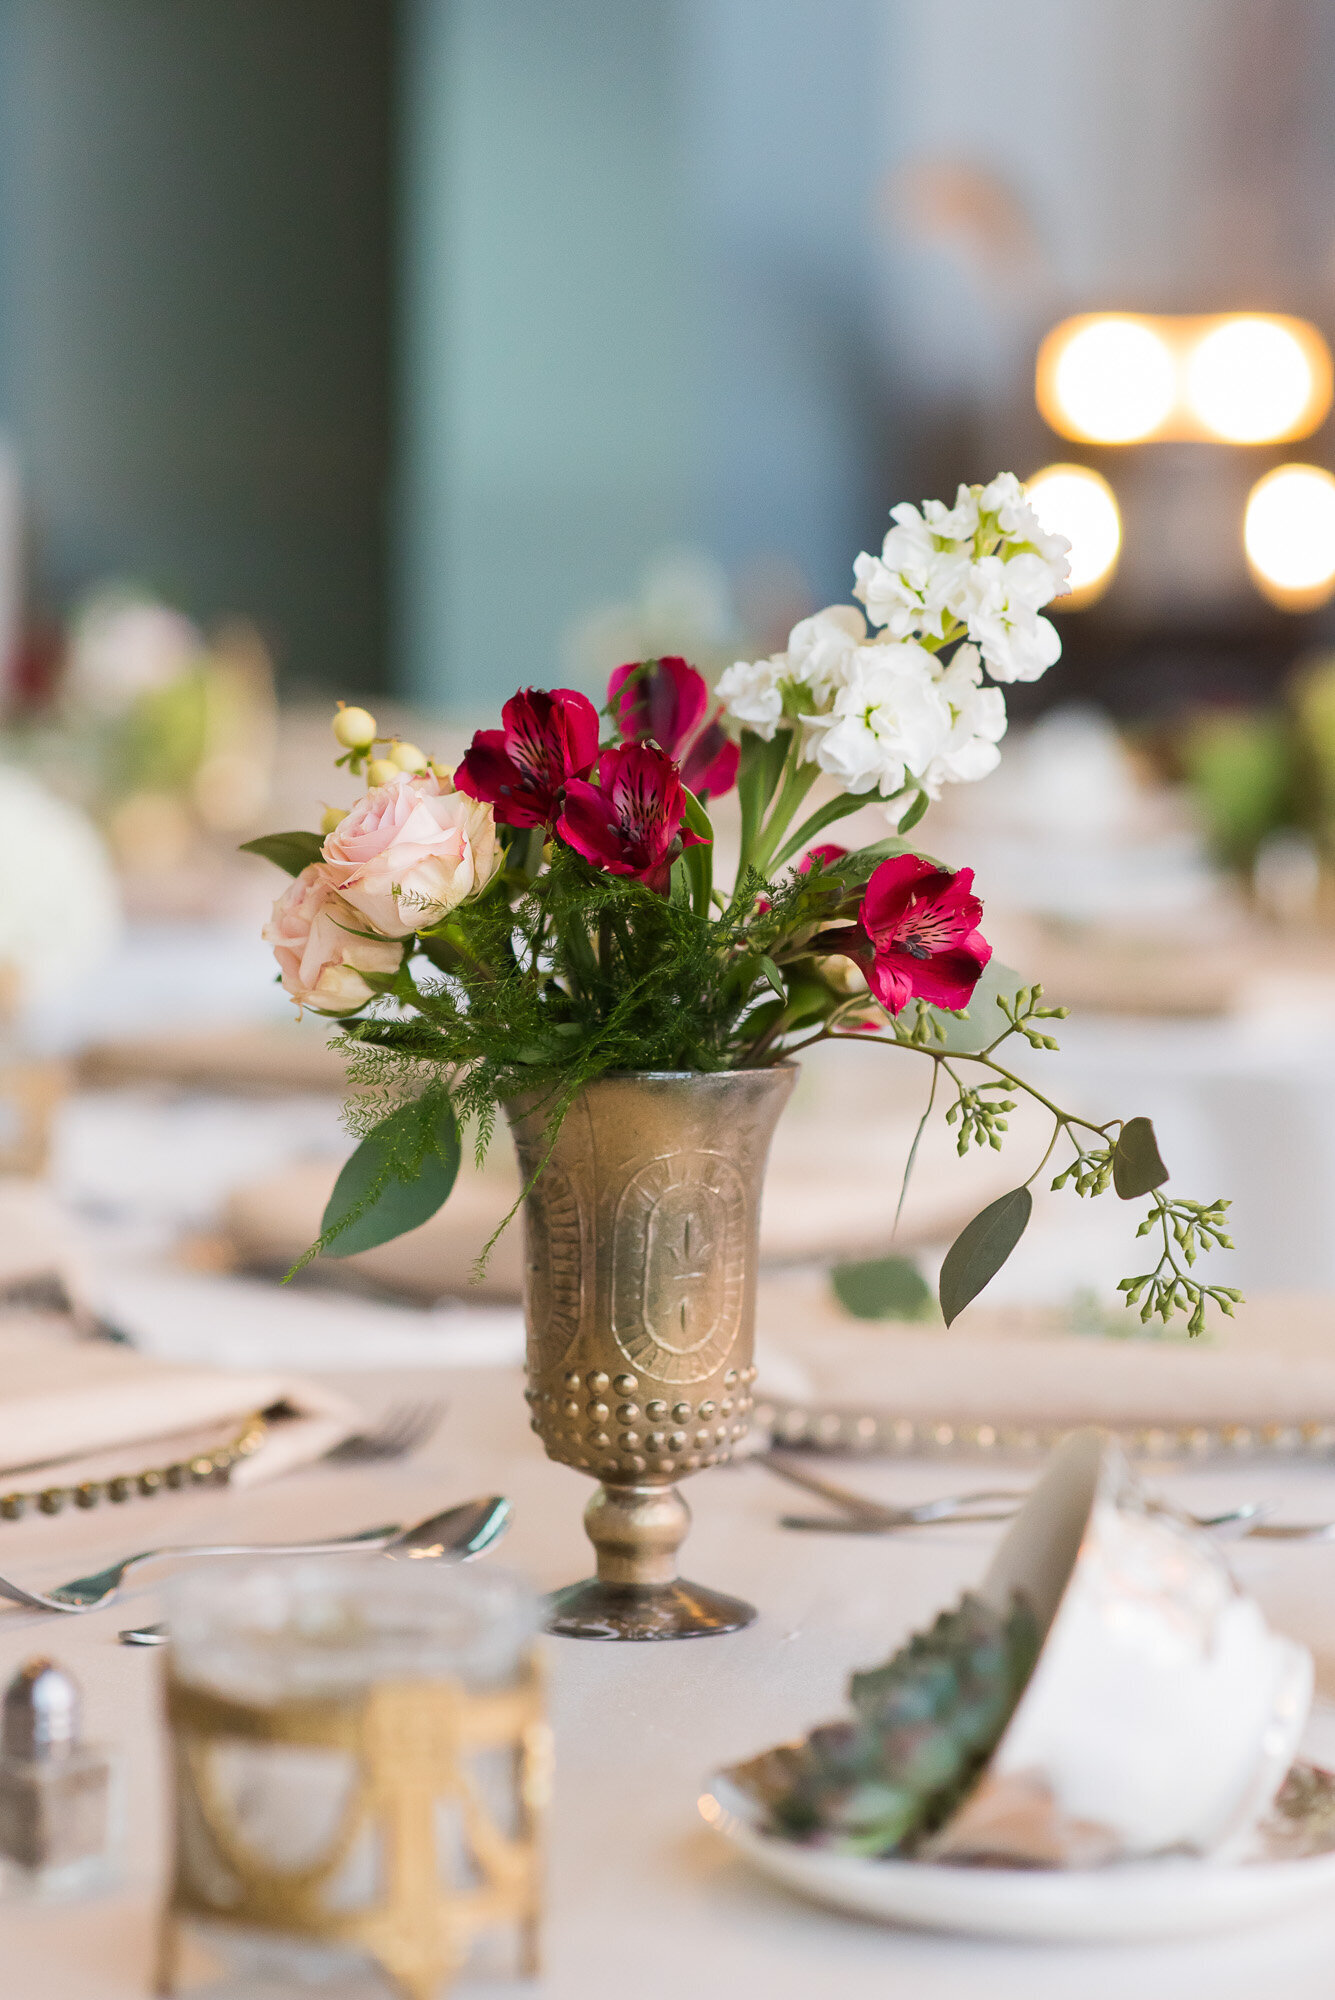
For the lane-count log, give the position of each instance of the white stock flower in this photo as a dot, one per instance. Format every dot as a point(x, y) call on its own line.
point(960, 522)
point(978, 722)
point(1001, 610)
point(800, 682)
point(751, 693)
point(914, 582)
point(819, 652)
point(1005, 498)
point(888, 722)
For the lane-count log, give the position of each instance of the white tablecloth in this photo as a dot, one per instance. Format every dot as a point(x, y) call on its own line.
point(645, 1903)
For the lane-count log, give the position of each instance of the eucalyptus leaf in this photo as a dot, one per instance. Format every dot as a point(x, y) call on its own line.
point(885, 1288)
point(397, 1178)
point(981, 1248)
point(293, 851)
point(1137, 1166)
point(984, 1020)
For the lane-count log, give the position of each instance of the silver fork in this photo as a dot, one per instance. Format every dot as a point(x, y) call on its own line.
point(402, 1430)
point(859, 1515)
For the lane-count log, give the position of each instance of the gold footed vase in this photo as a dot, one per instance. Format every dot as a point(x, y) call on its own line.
point(641, 1235)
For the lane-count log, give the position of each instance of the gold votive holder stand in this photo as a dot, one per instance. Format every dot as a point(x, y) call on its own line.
point(360, 1769)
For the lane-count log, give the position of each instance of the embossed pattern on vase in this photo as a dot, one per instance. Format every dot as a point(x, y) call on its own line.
point(641, 1234)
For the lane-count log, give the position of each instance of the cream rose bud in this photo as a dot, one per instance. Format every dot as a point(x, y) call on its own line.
point(321, 946)
point(411, 851)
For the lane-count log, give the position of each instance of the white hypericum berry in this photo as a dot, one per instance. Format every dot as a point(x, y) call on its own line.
point(354, 728)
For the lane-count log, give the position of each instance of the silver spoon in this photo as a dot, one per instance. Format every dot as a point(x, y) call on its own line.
point(431, 1537)
point(455, 1536)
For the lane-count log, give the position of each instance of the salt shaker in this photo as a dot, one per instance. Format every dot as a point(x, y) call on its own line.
point(55, 1790)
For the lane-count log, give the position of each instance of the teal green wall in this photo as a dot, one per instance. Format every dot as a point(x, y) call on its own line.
point(549, 429)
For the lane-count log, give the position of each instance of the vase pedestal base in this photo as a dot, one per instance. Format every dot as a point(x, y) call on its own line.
point(677, 1610)
point(637, 1594)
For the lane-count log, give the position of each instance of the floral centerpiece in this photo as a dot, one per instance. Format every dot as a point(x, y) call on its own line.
point(546, 918)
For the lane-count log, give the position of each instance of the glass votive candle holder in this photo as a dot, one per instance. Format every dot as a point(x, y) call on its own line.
point(360, 1765)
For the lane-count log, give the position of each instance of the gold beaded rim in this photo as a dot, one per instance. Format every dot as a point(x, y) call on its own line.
point(204, 1468)
point(881, 1432)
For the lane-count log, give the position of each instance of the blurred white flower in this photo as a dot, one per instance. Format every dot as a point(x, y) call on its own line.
point(60, 907)
point(977, 725)
point(123, 645)
point(889, 721)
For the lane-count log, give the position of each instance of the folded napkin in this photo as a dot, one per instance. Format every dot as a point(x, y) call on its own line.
point(1265, 1380)
point(74, 1408)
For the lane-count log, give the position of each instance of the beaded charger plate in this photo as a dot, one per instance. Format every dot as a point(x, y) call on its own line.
point(132, 1472)
point(1290, 1864)
point(845, 1430)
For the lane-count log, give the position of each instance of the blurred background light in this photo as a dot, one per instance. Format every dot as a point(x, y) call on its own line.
point(1231, 378)
point(1289, 535)
point(1107, 378)
point(1075, 501)
point(1254, 380)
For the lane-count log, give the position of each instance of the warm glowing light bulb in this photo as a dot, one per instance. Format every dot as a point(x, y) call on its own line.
point(1114, 381)
point(1289, 535)
point(1249, 381)
point(1071, 500)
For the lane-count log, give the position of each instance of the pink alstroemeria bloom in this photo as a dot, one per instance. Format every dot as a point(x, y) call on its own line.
point(630, 821)
point(917, 935)
point(664, 701)
point(521, 770)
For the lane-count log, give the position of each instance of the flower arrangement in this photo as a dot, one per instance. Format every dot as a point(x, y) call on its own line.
point(548, 913)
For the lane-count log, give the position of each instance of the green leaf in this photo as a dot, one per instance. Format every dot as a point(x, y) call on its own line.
point(758, 773)
point(808, 1000)
point(680, 887)
point(885, 850)
point(293, 851)
point(914, 813)
point(886, 1288)
point(397, 1178)
point(769, 971)
point(699, 860)
point(981, 1248)
point(815, 823)
point(1137, 1166)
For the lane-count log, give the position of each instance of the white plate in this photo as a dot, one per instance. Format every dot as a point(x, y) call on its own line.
point(1293, 1865)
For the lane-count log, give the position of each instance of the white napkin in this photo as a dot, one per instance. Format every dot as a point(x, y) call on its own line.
point(74, 1408)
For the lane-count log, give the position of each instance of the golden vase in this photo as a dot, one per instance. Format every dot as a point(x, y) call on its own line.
point(641, 1233)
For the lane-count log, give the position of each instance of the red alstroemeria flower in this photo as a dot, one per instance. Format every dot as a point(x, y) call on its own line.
point(827, 853)
point(917, 935)
point(521, 770)
point(631, 819)
point(665, 701)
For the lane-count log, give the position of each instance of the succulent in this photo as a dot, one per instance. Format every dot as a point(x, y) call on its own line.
point(922, 1729)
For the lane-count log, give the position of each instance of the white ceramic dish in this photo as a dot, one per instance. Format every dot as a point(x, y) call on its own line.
point(1291, 1863)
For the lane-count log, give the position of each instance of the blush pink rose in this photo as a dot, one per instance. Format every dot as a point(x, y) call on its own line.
point(321, 946)
point(411, 851)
